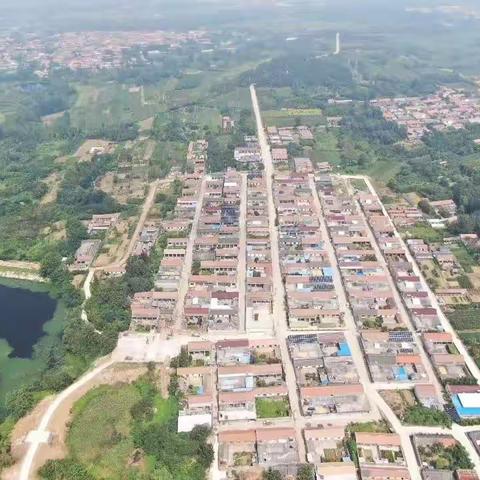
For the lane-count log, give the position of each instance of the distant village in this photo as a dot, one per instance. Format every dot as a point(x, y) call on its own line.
point(447, 108)
point(86, 50)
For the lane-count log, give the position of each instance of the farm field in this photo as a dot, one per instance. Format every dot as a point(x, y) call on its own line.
point(465, 320)
point(465, 258)
point(293, 116)
point(108, 105)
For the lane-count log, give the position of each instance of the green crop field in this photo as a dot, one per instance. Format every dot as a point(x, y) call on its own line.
point(286, 117)
point(465, 318)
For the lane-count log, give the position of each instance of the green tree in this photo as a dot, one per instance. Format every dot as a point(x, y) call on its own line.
point(19, 402)
point(272, 474)
point(306, 472)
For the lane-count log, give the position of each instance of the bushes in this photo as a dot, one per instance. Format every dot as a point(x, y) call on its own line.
point(464, 281)
point(108, 305)
point(186, 456)
point(67, 469)
point(420, 415)
point(454, 457)
point(19, 402)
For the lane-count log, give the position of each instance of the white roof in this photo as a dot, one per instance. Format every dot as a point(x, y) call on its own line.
point(469, 400)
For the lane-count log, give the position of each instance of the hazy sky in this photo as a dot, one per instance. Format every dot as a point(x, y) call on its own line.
point(151, 14)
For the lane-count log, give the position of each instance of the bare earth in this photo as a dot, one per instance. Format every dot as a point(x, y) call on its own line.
point(20, 264)
point(83, 153)
point(53, 184)
point(146, 124)
point(116, 244)
point(399, 400)
point(50, 119)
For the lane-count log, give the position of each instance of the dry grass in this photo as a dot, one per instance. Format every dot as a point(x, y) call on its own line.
point(399, 400)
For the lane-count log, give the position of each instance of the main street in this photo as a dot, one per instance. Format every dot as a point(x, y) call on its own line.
point(378, 406)
point(279, 307)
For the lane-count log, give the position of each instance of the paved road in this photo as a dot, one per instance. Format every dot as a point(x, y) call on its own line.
point(178, 316)
point(459, 432)
point(242, 259)
point(279, 312)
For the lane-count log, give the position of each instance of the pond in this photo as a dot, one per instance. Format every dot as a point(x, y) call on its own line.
point(29, 317)
point(23, 314)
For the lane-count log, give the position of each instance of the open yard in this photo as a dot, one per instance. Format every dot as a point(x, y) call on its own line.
point(424, 232)
point(399, 400)
point(270, 408)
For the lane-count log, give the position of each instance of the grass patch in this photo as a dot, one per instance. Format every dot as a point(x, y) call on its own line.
point(359, 184)
point(127, 431)
point(371, 427)
point(166, 409)
point(383, 170)
point(425, 232)
point(100, 433)
point(270, 408)
point(326, 148)
point(465, 258)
